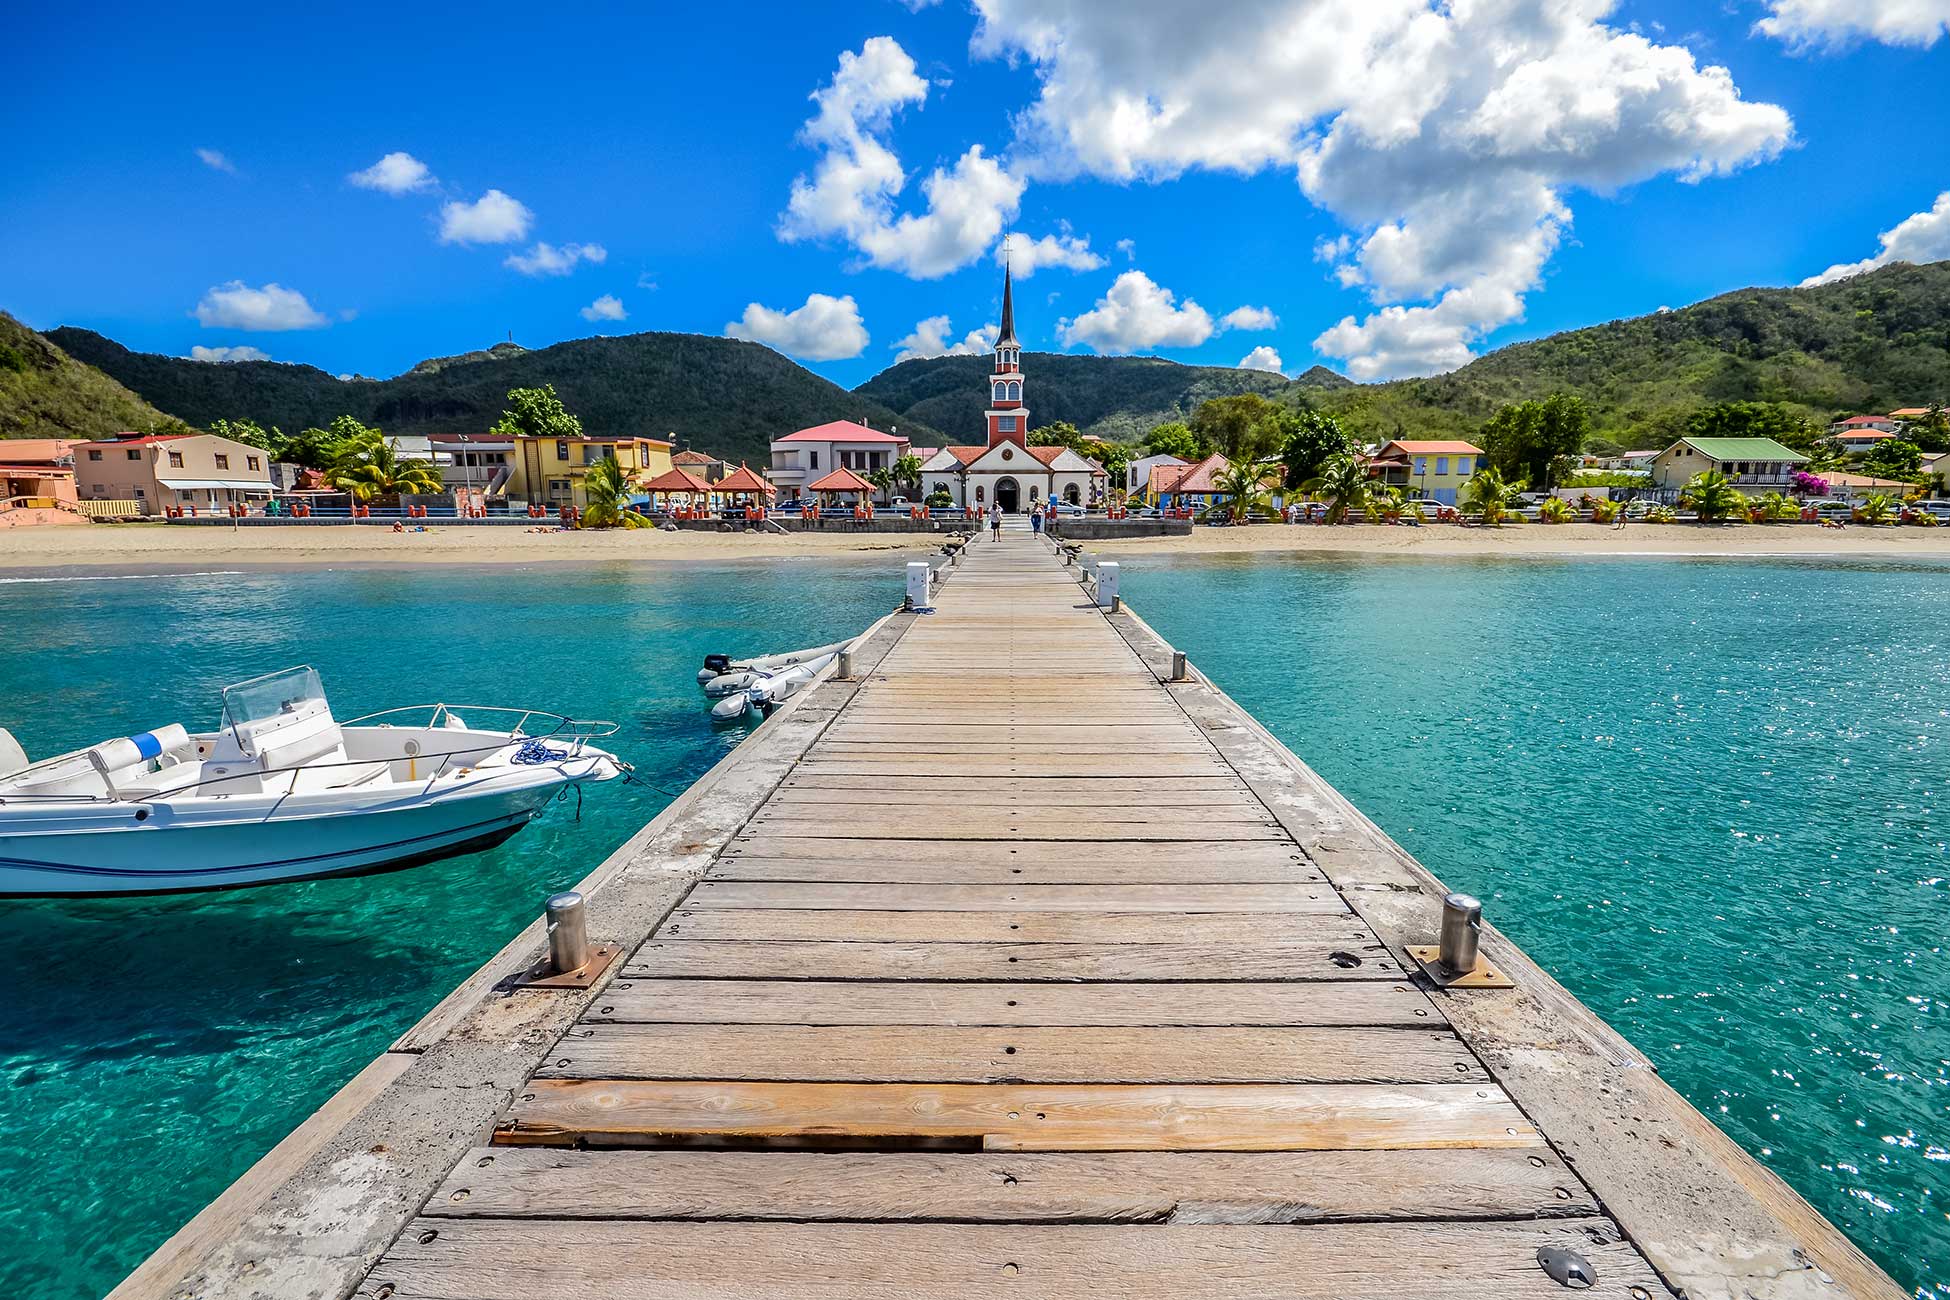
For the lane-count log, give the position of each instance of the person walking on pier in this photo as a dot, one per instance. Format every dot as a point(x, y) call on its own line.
point(1036, 518)
point(995, 521)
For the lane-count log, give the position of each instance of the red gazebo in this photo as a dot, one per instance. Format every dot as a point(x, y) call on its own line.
point(841, 481)
point(742, 482)
point(674, 481)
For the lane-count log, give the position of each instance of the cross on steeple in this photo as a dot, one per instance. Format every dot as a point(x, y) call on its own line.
point(1008, 419)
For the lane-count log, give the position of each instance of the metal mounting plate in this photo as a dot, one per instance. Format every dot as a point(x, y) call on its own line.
point(539, 976)
point(1485, 976)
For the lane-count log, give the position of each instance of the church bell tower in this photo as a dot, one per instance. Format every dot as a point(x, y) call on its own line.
point(1008, 418)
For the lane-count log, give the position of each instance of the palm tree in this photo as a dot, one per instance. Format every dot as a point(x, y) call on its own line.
point(1489, 493)
point(370, 466)
point(1244, 488)
point(607, 491)
point(907, 472)
point(1712, 496)
point(1343, 480)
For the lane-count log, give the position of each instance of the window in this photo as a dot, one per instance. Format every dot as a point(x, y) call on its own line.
point(176, 460)
point(1462, 464)
point(133, 454)
point(250, 462)
point(561, 451)
point(1422, 465)
point(1015, 391)
point(138, 491)
point(812, 460)
point(94, 455)
point(1005, 423)
point(223, 462)
point(1442, 464)
point(1001, 393)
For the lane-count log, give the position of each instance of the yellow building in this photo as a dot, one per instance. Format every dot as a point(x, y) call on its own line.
point(550, 471)
point(1434, 470)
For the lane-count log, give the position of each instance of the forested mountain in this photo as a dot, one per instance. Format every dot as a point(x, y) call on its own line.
point(1114, 398)
point(723, 395)
point(45, 393)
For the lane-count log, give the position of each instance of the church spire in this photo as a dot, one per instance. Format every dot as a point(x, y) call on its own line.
point(1008, 334)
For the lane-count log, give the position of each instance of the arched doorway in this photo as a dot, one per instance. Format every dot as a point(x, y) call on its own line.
point(1008, 495)
point(1072, 494)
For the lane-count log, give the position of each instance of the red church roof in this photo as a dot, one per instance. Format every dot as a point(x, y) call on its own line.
point(840, 480)
point(840, 431)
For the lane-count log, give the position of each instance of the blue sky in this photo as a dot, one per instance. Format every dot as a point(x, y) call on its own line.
point(1381, 186)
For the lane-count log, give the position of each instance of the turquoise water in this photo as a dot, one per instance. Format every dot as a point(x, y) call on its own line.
point(1706, 795)
point(1703, 794)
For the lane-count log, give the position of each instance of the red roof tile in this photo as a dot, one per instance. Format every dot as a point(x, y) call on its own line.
point(743, 480)
point(840, 480)
point(1439, 447)
point(840, 431)
point(677, 480)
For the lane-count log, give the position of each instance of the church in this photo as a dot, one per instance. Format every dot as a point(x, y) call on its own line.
point(1005, 470)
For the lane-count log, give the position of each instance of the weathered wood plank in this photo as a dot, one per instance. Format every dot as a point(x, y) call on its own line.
point(1176, 899)
point(692, 922)
point(882, 871)
point(1017, 853)
point(1326, 957)
point(1005, 1054)
point(892, 1002)
point(1022, 1187)
point(1023, 1117)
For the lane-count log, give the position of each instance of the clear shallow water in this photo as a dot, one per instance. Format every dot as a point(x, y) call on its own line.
point(1706, 795)
point(152, 1049)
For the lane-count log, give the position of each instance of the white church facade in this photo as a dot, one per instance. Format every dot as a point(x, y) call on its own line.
point(1005, 470)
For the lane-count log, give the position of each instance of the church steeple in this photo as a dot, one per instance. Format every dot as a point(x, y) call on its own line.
point(1008, 418)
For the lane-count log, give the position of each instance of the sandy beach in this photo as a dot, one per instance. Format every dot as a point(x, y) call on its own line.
point(32, 550)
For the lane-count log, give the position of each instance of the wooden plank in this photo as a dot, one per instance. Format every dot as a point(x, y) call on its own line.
point(1022, 1117)
point(1287, 959)
point(1021, 853)
point(1019, 1187)
point(996, 825)
point(1004, 927)
point(1176, 899)
point(920, 816)
point(883, 871)
point(892, 1002)
point(1016, 1053)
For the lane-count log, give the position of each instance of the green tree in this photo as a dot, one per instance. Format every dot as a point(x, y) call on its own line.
point(1343, 481)
point(1115, 457)
point(1174, 439)
point(1489, 494)
point(271, 442)
point(1752, 420)
point(536, 413)
point(369, 465)
point(1245, 427)
point(1311, 438)
point(1060, 434)
point(1932, 432)
point(1712, 496)
point(1243, 486)
point(1538, 441)
point(1893, 458)
point(606, 488)
point(313, 448)
point(907, 472)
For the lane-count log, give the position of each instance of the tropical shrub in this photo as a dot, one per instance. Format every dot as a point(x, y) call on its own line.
point(369, 465)
point(607, 491)
point(1604, 511)
point(1556, 510)
point(1920, 519)
point(1773, 508)
point(1712, 496)
point(939, 499)
point(1661, 515)
point(1343, 483)
point(1809, 485)
point(1876, 508)
point(1489, 494)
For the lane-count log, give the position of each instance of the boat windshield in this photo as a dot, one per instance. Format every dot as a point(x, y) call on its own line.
point(271, 695)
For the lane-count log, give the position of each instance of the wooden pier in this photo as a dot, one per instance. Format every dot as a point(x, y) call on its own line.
point(1009, 968)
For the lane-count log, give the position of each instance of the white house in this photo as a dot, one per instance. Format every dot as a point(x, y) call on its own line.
point(1137, 476)
point(1005, 470)
point(1861, 432)
point(799, 458)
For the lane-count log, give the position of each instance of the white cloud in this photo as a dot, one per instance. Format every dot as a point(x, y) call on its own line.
point(825, 329)
point(237, 306)
point(1249, 318)
point(646, 281)
point(1261, 358)
point(494, 218)
point(1067, 251)
point(217, 161)
point(1811, 23)
point(396, 173)
point(1128, 247)
point(930, 339)
point(851, 192)
point(1921, 237)
point(607, 307)
point(242, 352)
point(1443, 136)
point(1137, 314)
point(547, 259)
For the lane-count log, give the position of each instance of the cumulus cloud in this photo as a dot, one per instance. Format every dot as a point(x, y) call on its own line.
point(242, 352)
point(930, 339)
point(825, 329)
point(494, 218)
point(1249, 318)
point(607, 307)
point(237, 306)
point(547, 259)
point(1440, 135)
point(851, 192)
point(1810, 23)
point(215, 160)
point(1920, 237)
point(1135, 314)
point(396, 173)
point(1261, 358)
point(1070, 252)
point(1128, 247)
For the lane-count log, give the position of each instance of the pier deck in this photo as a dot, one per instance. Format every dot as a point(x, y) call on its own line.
point(1019, 970)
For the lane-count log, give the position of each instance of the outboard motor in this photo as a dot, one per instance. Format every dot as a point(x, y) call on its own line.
point(717, 663)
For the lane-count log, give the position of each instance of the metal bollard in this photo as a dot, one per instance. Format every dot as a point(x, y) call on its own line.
point(568, 932)
point(1178, 665)
point(844, 670)
point(1462, 928)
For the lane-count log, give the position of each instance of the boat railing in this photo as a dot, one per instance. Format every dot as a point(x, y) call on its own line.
point(560, 726)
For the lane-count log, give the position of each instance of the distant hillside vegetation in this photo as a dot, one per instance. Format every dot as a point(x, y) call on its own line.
point(1876, 342)
point(1115, 398)
point(723, 395)
point(45, 393)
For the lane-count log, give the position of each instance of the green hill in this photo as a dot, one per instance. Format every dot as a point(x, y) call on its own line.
point(1876, 342)
point(1117, 398)
point(45, 393)
point(726, 396)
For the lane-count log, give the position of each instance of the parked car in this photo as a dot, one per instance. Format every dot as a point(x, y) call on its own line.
point(1940, 509)
point(1065, 508)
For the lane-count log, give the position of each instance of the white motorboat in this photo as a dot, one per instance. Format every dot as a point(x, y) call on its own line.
point(282, 791)
point(718, 665)
point(769, 690)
